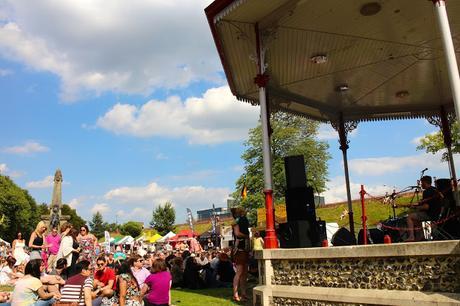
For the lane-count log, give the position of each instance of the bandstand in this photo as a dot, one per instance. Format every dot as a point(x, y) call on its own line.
point(344, 62)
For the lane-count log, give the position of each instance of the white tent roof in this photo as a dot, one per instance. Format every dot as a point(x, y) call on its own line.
point(125, 240)
point(167, 236)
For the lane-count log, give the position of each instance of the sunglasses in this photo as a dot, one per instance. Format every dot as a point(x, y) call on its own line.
point(83, 230)
point(100, 264)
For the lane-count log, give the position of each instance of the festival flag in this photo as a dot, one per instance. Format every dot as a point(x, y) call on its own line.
point(244, 191)
point(190, 218)
point(107, 241)
point(213, 219)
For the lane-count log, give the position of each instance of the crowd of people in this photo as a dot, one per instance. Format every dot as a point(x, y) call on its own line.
point(70, 267)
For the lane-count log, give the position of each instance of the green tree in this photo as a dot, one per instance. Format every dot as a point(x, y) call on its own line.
point(131, 228)
point(433, 143)
point(75, 219)
point(113, 227)
point(18, 210)
point(97, 225)
point(291, 135)
point(163, 218)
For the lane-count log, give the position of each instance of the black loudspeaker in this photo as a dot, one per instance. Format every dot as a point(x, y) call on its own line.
point(294, 167)
point(343, 237)
point(300, 204)
point(322, 233)
point(298, 234)
point(374, 236)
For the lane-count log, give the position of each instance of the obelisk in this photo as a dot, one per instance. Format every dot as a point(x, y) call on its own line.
point(55, 219)
point(56, 201)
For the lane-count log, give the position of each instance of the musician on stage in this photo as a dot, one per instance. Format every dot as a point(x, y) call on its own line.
point(427, 209)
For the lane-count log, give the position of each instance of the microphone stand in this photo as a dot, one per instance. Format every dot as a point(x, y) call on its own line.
point(393, 205)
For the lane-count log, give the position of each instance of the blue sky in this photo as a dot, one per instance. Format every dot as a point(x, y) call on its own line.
point(130, 101)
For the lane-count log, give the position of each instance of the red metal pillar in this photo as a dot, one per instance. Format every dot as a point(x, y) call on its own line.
point(271, 242)
point(363, 214)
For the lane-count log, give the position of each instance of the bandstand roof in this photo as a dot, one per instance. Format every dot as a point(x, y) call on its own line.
point(392, 61)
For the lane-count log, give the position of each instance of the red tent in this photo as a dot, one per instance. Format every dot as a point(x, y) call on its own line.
point(182, 235)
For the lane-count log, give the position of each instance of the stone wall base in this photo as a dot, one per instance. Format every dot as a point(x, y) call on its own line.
point(319, 296)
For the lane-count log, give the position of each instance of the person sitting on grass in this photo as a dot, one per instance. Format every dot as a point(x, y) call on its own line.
point(137, 267)
point(7, 271)
point(57, 277)
point(104, 280)
point(158, 285)
point(29, 290)
point(78, 288)
point(177, 272)
point(4, 298)
point(128, 292)
point(192, 279)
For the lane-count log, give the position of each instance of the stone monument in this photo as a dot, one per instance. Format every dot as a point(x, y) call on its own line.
point(55, 218)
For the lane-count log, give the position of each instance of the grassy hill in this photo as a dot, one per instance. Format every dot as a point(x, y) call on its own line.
point(376, 211)
point(202, 226)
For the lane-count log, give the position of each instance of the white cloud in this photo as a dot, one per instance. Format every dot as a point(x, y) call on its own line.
point(46, 182)
point(327, 132)
point(238, 168)
point(337, 192)
point(5, 72)
point(161, 156)
point(74, 203)
point(385, 165)
point(4, 170)
point(28, 148)
point(215, 117)
point(102, 208)
point(146, 197)
point(123, 46)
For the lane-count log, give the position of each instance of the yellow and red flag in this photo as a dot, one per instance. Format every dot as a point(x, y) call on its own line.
point(244, 191)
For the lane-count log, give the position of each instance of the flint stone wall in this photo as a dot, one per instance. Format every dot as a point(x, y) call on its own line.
point(439, 274)
point(279, 301)
point(399, 274)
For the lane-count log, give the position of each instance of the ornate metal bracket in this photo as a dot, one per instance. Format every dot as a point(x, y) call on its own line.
point(344, 128)
point(436, 119)
point(444, 121)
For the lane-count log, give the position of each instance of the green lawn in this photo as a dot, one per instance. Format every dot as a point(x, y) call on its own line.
point(184, 297)
point(218, 297)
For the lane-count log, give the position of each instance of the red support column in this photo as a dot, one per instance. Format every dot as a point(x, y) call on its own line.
point(262, 80)
point(270, 241)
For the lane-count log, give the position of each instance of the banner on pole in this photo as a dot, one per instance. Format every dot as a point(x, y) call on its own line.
point(190, 218)
point(107, 241)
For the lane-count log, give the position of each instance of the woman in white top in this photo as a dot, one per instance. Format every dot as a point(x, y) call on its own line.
point(18, 249)
point(7, 275)
point(66, 249)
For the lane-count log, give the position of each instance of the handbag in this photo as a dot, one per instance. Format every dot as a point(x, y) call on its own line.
point(58, 303)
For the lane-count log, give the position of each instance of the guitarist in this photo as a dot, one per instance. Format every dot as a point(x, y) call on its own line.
point(427, 209)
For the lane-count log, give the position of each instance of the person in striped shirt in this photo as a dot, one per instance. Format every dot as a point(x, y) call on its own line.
point(79, 287)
